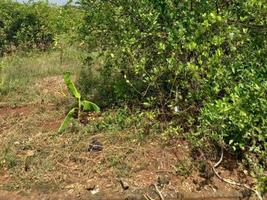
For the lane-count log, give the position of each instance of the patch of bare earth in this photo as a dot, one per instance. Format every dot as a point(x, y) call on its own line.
point(40, 164)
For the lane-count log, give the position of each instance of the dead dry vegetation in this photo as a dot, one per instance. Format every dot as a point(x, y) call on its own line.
point(134, 161)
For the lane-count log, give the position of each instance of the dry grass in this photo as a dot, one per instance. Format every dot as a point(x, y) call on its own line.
point(20, 72)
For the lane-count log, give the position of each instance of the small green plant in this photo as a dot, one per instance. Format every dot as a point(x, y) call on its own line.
point(83, 105)
point(8, 158)
point(183, 168)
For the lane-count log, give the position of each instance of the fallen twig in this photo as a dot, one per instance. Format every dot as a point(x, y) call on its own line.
point(147, 197)
point(159, 192)
point(233, 182)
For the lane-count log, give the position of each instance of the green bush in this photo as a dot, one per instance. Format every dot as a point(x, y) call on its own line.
point(23, 27)
point(36, 25)
point(240, 116)
point(202, 61)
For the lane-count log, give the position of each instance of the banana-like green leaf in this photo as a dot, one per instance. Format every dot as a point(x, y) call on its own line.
point(90, 106)
point(71, 85)
point(66, 121)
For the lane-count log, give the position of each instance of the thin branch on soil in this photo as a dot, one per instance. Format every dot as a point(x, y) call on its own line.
point(65, 166)
point(147, 197)
point(165, 170)
point(233, 182)
point(159, 192)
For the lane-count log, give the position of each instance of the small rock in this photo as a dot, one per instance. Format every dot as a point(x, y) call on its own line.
point(124, 184)
point(30, 153)
point(95, 190)
point(90, 186)
point(95, 146)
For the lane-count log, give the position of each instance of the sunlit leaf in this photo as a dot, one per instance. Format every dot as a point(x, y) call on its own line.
point(90, 106)
point(71, 85)
point(66, 121)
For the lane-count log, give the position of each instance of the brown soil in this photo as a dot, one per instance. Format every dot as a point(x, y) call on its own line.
point(17, 111)
point(55, 166)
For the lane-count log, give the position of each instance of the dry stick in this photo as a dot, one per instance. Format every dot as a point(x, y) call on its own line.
point(147, 197)
point(158, 191)
point(233, 182)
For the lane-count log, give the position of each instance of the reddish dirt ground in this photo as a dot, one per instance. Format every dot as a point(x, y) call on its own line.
point(81, 173)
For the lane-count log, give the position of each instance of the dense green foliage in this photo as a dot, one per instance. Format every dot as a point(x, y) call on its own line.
point(202, 61)
point(35, 25)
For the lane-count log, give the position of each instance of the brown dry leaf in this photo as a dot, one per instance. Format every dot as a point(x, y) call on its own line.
point(29, 153)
